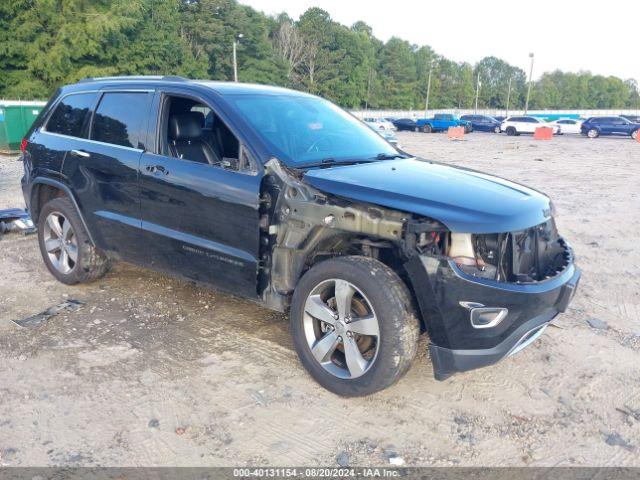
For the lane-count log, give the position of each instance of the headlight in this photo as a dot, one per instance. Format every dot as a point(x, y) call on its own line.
point(463, 252)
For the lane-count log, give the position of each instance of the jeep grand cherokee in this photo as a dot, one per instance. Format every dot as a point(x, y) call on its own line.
point(286, 199)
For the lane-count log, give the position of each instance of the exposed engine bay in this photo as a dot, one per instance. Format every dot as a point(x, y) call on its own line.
point(300, 225)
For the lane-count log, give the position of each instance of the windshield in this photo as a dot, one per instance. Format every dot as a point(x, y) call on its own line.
point(306, 130)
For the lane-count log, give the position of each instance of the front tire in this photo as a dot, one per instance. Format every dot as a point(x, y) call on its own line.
point(353, 325)
point(496, 130)
point(511, 131)
point(427, 128)
point(634, 134)
point(65, 245)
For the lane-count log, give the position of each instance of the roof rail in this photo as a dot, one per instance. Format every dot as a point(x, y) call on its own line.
point(168, 78)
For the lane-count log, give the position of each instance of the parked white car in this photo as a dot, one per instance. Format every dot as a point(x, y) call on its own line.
point(518, 125)
point(568, 125)
point(379, 123)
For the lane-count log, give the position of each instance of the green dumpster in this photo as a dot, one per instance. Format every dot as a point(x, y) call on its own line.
point(16, 118)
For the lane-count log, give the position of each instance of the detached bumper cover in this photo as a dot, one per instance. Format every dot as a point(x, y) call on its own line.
point(457, 346)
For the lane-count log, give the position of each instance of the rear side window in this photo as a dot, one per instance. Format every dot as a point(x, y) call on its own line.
point(70, 115)
point(120, 119)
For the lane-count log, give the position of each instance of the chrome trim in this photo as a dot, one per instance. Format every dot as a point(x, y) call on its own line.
point(527, 339)
point(81, 153)
point(477, 309)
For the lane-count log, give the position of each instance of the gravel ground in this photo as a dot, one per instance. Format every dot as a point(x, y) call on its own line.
point(156, 371)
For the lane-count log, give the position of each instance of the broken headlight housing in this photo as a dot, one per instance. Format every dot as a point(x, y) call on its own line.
point(530, 255)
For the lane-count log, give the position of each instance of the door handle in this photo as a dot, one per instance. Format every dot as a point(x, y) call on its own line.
point(157, 169)
point(80, 153)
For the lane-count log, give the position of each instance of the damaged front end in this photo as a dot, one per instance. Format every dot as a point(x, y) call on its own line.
point(301, 225)
point(481, 296)
point(492, 295)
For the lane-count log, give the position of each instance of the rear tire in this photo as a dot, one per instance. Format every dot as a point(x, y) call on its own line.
point(593, 133)
point(323, 338)
point(65, 245)
point(511, 131)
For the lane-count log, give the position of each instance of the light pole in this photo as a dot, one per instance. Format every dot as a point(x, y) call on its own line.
point(526, 105)
point(236, 39)
point(477, 91)
point(426, 103)
point(506, 113)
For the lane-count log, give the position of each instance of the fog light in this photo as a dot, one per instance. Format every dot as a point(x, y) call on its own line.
point(484, 317)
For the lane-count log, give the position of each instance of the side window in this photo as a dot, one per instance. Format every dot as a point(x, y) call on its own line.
point(120, 119)
point(69, 116)
point(193, 131)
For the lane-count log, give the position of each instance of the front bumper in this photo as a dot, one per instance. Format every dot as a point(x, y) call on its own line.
point(444, 292)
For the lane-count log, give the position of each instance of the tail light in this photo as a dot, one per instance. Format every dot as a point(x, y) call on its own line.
point(23, 145)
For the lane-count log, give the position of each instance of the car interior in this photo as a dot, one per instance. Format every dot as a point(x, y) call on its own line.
point(192, 131)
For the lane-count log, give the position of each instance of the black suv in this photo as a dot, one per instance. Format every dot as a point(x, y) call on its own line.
point(286, 199)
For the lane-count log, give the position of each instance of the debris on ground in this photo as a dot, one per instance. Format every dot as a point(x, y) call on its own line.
point(597, 324)
point(34, 320)
point(629, 412)
point(15, 220)
point(154, 423)
point(396, 461)
point(343, 459)
point(615, 440)
point(180, 431)
point(393, 458)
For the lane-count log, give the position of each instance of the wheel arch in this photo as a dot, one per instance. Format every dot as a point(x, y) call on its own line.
point(45, 189)
point(344, 244)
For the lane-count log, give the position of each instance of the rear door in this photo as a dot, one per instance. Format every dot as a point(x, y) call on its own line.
point(530, 124)
point(104, 172)
point(201, 220)
point(64, 133)
point(606, 125)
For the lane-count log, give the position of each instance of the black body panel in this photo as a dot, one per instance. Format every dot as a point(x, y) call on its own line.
point(201, 221)
point(440, 287)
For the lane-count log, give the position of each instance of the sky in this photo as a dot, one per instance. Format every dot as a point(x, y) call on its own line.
point(558, 32)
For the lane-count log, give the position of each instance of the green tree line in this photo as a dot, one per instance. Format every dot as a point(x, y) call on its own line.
point(48, 43)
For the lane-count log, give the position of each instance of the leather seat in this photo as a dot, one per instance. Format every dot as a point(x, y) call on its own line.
point(186, 140)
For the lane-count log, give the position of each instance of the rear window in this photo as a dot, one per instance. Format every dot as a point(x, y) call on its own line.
point(120, 119)
point(69, 116)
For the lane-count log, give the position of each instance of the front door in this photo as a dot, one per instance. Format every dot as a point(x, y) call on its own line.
point(199, 204)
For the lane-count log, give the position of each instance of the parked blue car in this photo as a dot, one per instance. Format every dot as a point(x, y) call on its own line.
point(441, 122)
point(482, 123)
point(596, 126)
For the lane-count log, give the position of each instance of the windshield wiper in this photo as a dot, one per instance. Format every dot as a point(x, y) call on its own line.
point(330, 162)
point(388, 156)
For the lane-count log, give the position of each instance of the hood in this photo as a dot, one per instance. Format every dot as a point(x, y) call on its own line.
point(464, 201)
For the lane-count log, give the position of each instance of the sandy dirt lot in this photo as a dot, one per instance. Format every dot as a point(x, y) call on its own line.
point(156, 371)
